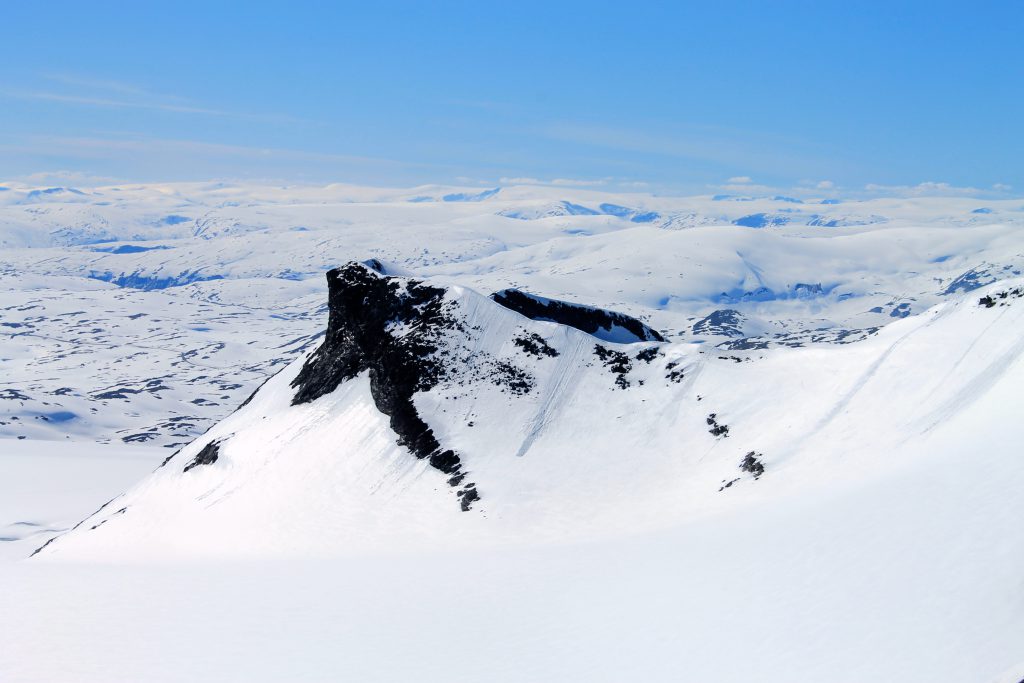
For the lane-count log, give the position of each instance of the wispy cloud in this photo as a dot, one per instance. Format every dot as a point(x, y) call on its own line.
point(109, 147)
point(92, 92)
point(745, 188)
point(572, 182)
point(925, 189)
point(828, 188)
point(107, 102)
point(67, 177)
point(707, 145)
point(940, 189)
point(102, 85)
point(561, 182)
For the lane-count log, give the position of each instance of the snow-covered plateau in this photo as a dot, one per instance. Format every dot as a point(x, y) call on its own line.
point(256, 433)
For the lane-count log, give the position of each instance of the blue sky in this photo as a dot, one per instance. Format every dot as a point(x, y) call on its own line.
point(668, 96)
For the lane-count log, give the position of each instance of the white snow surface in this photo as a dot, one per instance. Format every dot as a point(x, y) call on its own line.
point(49, 486)
point(616, 538)
point(213, 287)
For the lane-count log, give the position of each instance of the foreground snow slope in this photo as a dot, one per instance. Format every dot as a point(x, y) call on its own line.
point(910, 574)
point(46, 487)
point(435, 417)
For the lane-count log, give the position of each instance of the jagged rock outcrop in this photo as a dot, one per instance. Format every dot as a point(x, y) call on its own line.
point(725, 322)
point(401, 331)
point(364, 308)
point(604, 324)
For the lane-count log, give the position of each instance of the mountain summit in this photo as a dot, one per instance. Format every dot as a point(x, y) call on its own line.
point(434, 415)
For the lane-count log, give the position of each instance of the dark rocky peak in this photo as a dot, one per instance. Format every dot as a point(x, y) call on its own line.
point(725, 322)
point(391, 328)
point(603, 324)
point(409, 337)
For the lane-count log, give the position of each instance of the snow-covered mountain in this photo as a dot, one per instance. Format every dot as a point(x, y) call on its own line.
point(434, 415)
point(661, 438)
point(145, 313)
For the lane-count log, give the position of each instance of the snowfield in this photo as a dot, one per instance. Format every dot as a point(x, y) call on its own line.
point(779, 439)
point(214, 287)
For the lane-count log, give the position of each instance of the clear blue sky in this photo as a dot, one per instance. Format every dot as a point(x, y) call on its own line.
point(680, 95)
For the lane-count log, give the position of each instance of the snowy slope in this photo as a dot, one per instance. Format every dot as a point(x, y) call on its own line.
point(436, 416)
point(816, 477)
point(910, 574)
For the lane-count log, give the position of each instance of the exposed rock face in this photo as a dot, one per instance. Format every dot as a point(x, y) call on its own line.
point(410, 337)
point(535, 345)
point(717, 429)
point(616, 362)
point(607, 325)
point(725, 322)
point(364, 308)
point(1002, 298)
point(752, 464)
point(207, 456)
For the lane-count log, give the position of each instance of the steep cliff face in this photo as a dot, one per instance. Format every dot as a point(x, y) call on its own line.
point(366, 309)
point(607, 325)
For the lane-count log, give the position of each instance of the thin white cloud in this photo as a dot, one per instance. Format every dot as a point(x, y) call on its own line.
point(67, 177)
point(708, 144)
point(111, 103)
point(572, 182)
point(560, 182)
point(112, 86)
point(740, 179)
point(520, 181)
point(745, 189)
point(925, 189)
point(97, 147)
point(1002, 187)
point(91, 92)
point(812, 190)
